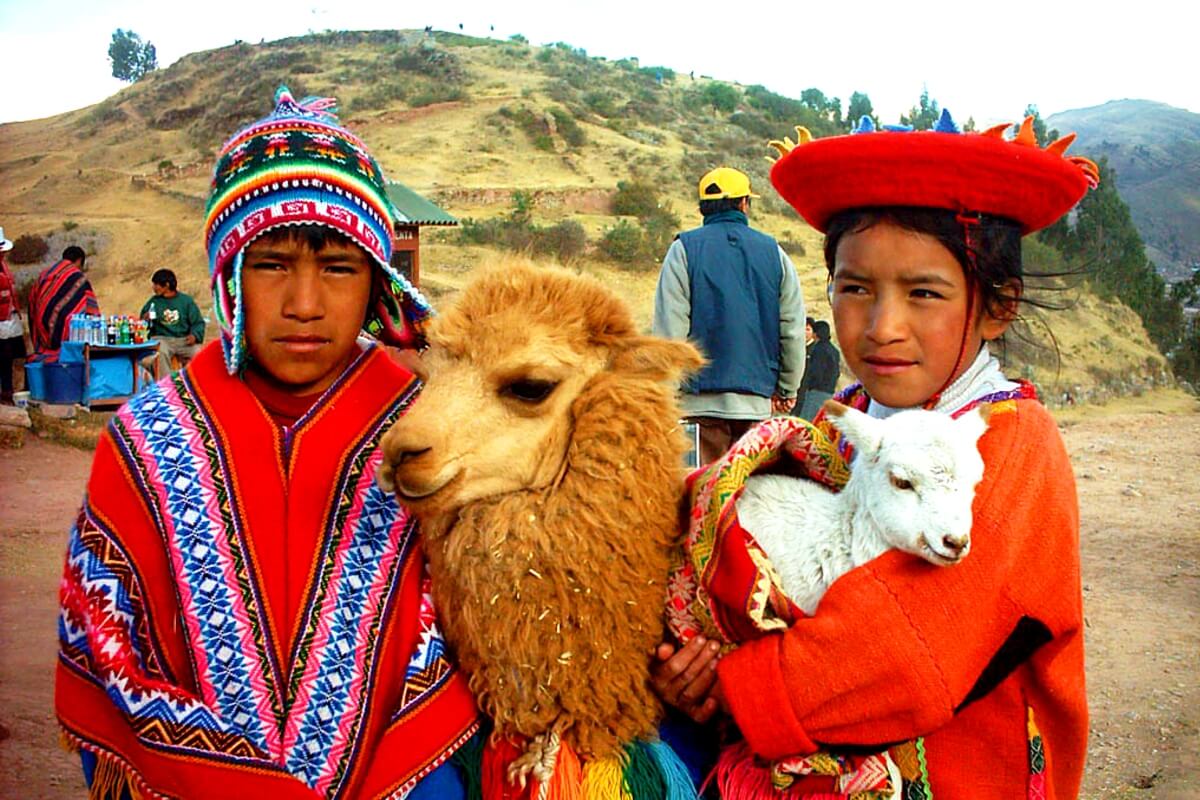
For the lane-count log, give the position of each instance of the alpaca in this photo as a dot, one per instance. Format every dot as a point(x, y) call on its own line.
point(544, 460)
point(911, 489)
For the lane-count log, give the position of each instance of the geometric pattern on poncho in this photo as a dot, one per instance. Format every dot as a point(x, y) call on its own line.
point(430, 665)
point(307, 724)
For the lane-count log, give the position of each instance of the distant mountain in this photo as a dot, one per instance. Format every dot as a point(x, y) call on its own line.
point(1155, 149)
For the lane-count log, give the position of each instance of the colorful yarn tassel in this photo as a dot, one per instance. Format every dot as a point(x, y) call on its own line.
point(567, 782)
point(642, 776)
point(740, 778)
point(604, 780)
point(674, 772)
point(494, 772)
point(468, 759)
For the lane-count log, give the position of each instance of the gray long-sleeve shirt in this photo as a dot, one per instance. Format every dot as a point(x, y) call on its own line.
point(672, 318)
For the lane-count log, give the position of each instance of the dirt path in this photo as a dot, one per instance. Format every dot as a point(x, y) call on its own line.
point(1141, 558)
point(40, 488)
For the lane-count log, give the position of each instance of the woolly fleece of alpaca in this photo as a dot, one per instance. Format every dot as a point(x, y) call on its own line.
point(551, 596)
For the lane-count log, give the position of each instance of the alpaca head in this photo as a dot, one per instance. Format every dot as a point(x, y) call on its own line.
point(915, 475)
point(507, 366)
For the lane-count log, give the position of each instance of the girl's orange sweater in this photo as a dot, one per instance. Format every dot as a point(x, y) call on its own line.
point(960, 655)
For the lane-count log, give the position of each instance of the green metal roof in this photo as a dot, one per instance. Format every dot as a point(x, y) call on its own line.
point(414, 209)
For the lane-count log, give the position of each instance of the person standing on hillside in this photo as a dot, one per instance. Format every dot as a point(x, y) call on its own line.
point(59, 293)
point(244, 613)
point(175, 321)
point(12, 333)
point(733, 291)
point(821, 369)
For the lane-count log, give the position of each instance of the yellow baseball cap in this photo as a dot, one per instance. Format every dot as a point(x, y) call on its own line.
point(724, 182)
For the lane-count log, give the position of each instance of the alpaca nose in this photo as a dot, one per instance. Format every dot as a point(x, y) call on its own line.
point(954, 544)
point(409, 455)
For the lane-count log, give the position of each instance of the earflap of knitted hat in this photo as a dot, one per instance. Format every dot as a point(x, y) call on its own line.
point(944, 168)
point(299, 166)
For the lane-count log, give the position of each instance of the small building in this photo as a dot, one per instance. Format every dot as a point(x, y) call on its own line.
point(413, 212)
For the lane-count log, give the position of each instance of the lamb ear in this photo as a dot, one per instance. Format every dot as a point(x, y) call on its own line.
point(974, 423)
point(862, 431)
point(659, 359)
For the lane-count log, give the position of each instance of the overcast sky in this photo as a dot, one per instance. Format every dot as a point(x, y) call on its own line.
point(982, 59)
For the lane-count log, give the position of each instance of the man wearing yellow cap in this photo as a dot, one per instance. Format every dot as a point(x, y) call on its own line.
point(734, 292)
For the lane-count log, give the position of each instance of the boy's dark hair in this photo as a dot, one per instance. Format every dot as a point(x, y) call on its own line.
point(724, 204)
point(809, 321)
point(316, 237)
point(821, 330)
point(164, 277)
point(74, 253)
point(997, 249)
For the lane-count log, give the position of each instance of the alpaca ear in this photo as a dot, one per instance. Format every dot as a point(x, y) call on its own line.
point(863, 431)
point(658, 359)
point(974, 423)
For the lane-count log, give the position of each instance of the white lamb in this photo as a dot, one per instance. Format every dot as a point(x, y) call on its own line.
point(911, 488)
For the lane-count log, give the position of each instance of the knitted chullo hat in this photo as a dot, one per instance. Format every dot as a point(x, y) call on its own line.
point(975, 173)
point(298, 166)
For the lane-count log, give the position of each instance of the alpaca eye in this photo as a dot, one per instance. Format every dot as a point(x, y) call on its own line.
point(529, 391)
point(900, 483)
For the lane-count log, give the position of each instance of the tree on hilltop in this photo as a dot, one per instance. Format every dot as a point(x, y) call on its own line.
point(131, 57)
point(924, 116)
point(860, 106)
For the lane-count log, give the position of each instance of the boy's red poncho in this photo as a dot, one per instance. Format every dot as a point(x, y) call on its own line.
point(243, 612)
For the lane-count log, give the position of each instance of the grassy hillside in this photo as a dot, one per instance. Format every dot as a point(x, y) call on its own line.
point(468, 122)
point(1155, 150)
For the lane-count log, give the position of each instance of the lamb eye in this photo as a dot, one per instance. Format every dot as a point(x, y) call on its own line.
point(529, 391)
point(900, 483)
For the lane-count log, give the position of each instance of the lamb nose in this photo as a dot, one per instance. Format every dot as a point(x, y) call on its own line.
point(409, 455)
point(954, 543)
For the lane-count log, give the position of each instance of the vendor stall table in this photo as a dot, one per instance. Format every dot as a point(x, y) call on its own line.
point(110, 371)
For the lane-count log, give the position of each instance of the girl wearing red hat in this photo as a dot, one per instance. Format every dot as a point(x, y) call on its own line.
point(970, 677)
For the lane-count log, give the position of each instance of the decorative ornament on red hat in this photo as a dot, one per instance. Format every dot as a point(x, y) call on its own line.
point(981, 173)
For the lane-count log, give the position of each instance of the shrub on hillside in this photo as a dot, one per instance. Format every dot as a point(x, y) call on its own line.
point(601, 102)
point(566, 240)
point(28, 248)
point(635, 199)
point(437, 93)
point(623, 243)
point(431, 62)
point(792, 247)
point(568, 128)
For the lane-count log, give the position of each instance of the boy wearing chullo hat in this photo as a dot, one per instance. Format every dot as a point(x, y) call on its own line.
point(243, 612)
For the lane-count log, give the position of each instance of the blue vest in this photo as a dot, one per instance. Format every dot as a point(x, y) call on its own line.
point(734, 276)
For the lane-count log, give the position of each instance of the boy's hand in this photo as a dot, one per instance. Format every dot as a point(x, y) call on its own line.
point(687, 678)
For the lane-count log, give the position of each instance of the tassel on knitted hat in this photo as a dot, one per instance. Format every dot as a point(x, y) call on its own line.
point(299, 166)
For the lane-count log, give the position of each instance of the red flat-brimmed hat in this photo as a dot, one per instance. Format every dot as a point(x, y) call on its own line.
point(981, 173)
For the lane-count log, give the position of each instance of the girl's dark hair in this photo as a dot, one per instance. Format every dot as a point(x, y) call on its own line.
point(996, 248)
point(997, 257)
